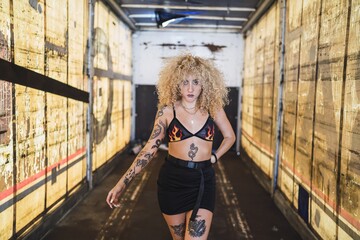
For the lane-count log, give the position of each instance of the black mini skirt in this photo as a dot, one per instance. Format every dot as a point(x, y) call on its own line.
point(184, 186)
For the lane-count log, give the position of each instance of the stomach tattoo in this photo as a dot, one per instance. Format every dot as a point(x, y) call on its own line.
point(193, 151)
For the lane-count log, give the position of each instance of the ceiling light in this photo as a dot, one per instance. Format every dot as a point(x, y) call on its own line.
point(231, 9)
point(235, 19)
point(165, 18)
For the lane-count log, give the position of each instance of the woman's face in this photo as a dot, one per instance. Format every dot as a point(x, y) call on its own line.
point(190, 88)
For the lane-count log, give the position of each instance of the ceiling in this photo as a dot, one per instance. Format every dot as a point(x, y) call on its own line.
point(204, 15)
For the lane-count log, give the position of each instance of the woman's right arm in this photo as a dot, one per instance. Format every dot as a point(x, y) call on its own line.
point(141, 160)
point(226, 130)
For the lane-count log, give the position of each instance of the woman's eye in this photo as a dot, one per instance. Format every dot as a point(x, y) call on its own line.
point(196, 82)
point(185, 82)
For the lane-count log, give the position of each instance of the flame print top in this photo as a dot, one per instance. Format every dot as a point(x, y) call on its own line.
point(178, 132)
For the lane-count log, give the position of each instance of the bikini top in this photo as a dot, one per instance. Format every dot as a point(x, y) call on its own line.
point(178, 132)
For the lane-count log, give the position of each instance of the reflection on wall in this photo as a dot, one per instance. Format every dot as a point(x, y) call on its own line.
point(43, 130)
point(320, 144)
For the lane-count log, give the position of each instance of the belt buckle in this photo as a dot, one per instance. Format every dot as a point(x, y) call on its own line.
point(191, 164)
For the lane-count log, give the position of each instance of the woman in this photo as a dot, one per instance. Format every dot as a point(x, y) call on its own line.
point(192, 95)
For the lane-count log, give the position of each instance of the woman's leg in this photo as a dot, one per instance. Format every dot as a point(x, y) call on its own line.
point(198, 229)
point(176, 224)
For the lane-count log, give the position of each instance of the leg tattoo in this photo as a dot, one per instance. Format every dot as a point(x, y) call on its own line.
point(197, 228)
point(179, 230)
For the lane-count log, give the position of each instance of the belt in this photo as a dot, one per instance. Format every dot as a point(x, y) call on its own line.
point(188, 164)
point(195, 165)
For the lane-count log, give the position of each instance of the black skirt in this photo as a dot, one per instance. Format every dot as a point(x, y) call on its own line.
point(185, 186)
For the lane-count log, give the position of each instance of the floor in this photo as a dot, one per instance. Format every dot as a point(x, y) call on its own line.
point(244, 210)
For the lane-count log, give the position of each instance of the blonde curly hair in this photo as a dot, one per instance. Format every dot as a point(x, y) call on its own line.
point(214, 94)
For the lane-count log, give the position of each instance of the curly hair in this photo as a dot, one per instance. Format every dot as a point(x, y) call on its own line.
point(214, 94)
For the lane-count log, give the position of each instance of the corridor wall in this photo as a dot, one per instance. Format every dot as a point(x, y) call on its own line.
point(319, 173)
point(44, 99)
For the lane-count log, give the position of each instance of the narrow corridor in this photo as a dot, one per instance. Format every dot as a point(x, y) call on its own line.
point(244, 209)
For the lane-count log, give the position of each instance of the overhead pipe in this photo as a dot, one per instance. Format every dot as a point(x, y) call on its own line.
point(264, 6)
point(90, 74)
point(115, 7)
point(279, 122)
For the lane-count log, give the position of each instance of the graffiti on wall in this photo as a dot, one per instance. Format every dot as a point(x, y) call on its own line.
point(213, 48)
point(103, 85)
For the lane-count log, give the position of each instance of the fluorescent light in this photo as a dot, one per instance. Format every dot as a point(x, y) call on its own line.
point(207, 26)
point(164, 18)
point(164, 24)
point(217, 18)
point(235, 19)
point(142, 15)
point(191, 25)
point(154, 6)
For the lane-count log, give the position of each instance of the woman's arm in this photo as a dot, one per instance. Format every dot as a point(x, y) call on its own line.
point(141, 160)
point(226, 130)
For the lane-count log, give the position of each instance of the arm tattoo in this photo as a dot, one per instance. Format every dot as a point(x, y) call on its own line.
point(157, 144)
point(162, 124)
point(197, 228)
point(179, 230)
point(129, 176)
point(145, 154)
point(143, 159)
point(156, 132)
point(193, 151)
point(148, 155)
point(141, 163)
point(160, 113)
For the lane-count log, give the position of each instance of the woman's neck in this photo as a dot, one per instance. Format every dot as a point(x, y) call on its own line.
point(188, 106)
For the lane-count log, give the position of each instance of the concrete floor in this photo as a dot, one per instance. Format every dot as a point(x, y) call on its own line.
point(244, 210)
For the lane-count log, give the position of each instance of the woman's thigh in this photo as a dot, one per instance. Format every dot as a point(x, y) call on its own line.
point(176, 224)
point(200, 227)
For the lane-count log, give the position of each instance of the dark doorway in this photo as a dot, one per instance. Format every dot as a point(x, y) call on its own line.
point(146, 107)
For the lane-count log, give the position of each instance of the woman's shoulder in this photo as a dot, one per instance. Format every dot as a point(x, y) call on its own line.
point(218, 114)
point(166, 110)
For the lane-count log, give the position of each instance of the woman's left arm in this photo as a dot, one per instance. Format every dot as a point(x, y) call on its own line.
point(222, 122)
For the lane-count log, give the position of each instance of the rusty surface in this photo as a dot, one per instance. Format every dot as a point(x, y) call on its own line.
point(50, 130)
point(350, 146)
point(322, 74)
point(213, 47)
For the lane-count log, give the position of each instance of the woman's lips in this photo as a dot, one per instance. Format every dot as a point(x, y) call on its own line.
point(190, 95)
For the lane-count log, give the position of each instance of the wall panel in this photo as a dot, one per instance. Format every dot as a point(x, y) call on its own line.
point(6, 133)
point(307, 76)
point(350, 144)
point(56, 57)
point(290, 99)
point(318, 171)
point(109, 84)
point(30, 113)
point(76, 112)
point(42, 128)
point(259, 95)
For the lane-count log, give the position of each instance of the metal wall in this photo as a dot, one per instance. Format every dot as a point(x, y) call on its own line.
point(320, 127)
point(44, 97)
point(151, 48)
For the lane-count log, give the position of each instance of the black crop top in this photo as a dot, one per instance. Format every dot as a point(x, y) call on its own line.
point(178, 132)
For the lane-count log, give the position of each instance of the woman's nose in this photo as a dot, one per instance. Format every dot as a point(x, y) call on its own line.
point(191, 88)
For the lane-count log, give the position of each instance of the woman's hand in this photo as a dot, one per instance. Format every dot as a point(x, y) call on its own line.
point(112, 198)
point(213, 158)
